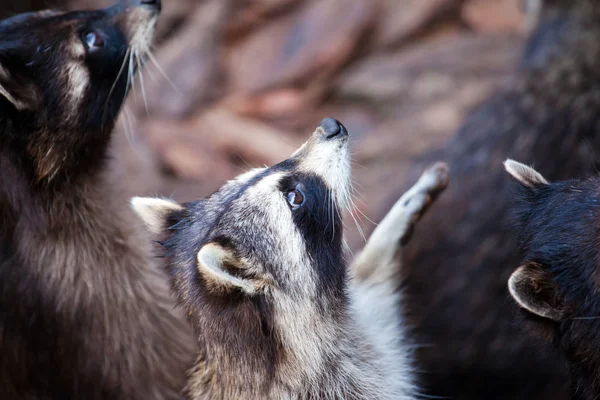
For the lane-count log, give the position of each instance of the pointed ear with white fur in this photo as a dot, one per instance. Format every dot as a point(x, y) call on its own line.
point(527, 176)
point(156, 213)
point(534, 289)
point(218, 266)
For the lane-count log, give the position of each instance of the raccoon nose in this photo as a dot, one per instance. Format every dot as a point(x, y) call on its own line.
point(332, 128)
point(152, 3)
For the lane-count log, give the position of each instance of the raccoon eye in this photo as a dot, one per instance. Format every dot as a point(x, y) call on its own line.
point(94, 41)
point(295, 197)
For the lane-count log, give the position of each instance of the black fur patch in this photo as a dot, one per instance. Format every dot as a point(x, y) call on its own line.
point(319, 222)
point(559, 228)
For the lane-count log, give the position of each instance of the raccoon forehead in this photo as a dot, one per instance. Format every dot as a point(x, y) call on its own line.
point(250, 189)
point(234, 188)
point(258, 189)
point(268, 184)
point(247, 176)
point(242, 180)
point(257, 199)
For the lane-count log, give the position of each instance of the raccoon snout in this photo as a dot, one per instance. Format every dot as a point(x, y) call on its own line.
point(153, 3)
point(333, 128)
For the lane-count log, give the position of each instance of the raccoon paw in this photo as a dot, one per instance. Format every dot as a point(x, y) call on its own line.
point(422, 194)
point(378, 261)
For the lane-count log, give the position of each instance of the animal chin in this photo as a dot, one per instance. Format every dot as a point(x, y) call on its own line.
point(140, 29)
point(331, 162)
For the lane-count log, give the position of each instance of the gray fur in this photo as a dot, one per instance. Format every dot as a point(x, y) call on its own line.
point(277, 317)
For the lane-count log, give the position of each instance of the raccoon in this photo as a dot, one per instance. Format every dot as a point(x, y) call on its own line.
point(456, 267)
point(259, 268)
point(557, 283)
point(83, 315)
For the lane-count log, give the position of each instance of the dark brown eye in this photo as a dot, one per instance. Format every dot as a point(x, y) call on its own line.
point(94, 41)
point(295, 197)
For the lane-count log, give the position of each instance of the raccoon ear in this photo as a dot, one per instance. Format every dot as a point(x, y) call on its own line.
point(527, 176)
point(533, 289)
point(21, 94)
point(156, 213)
point(214, 264)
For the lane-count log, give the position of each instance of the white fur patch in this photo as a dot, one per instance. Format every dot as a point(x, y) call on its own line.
point(77, 49)
point(140, 24)
point(292, 249)
point(77, 77)
point(377, 310)
point(247, 176)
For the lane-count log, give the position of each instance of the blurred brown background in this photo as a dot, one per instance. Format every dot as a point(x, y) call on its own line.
point(241, 83)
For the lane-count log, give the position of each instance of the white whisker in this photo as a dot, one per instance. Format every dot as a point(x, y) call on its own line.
point(351, 209)
point(331, 213)
point(355, 164)
point(127, 126)
point(162, 71)
point(141, 74)
point(131, 77)
point(357, 193)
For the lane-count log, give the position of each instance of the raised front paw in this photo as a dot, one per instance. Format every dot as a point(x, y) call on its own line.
point(422, 194)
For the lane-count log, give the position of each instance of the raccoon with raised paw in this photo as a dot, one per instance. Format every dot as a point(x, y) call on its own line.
point(260, 270)
point(83, 314)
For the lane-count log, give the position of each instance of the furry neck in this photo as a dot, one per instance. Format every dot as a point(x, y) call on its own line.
point(83, 221)
point(302, 354)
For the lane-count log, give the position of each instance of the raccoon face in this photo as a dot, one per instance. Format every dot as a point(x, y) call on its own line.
point(63, 79)
point(270, 232)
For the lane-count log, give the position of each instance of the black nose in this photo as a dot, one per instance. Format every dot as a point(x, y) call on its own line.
point(152, 3)
point(332, 128)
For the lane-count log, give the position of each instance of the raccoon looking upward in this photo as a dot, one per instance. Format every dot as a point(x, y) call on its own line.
point(82, 313)
point(259, 268)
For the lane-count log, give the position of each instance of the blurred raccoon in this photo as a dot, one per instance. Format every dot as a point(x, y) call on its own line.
point(259, 268)
point(557, 283)
point(457, 267)
point(82, 313)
